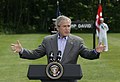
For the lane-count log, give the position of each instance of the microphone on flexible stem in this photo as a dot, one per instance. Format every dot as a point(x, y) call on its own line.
point(59, 56)
point(51, 57)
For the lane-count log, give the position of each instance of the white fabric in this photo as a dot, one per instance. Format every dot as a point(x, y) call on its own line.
point(103, 35)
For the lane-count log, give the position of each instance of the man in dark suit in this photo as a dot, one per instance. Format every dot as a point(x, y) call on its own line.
point(71, 46)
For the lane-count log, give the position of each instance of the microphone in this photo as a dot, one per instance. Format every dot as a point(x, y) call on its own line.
point(59, 56)
point(51, 57)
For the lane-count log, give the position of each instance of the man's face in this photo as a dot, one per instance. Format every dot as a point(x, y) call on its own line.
point(64, 28)
point(101, 21)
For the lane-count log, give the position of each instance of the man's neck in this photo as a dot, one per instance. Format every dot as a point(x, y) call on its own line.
point(61, 36)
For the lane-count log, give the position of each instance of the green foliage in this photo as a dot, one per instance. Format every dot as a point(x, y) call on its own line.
point(34, 16)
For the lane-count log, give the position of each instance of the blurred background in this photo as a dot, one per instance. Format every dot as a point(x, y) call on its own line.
point(35, 16)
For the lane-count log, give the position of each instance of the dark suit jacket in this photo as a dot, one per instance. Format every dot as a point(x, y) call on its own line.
point(74, 47)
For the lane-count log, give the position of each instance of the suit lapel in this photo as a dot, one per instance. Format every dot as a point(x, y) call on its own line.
point(54, 45)
point(68, 47)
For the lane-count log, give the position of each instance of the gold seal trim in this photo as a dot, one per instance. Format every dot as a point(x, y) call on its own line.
point(54, 70)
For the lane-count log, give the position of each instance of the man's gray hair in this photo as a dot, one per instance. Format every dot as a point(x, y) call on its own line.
point(61, 18)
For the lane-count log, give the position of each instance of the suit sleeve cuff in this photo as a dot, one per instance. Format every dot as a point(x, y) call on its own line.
point(20, 53)
point(97, 53)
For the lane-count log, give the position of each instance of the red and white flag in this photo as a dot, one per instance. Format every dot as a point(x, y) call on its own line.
point(98, 16)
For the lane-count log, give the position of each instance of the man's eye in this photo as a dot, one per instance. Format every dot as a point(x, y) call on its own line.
point(68, 25)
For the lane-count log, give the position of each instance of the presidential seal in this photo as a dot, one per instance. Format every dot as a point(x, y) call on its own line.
point(54, 70)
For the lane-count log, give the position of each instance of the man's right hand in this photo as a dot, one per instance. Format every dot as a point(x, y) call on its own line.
point(17, 47)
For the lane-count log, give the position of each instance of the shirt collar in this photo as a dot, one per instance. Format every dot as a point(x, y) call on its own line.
point(59, 37)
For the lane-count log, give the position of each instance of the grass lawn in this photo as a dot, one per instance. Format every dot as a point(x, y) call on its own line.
point(14, 69)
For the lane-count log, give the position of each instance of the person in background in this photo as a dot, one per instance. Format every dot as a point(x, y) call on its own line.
point(52, 28)
point(71, 46)
point(103, 33)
